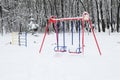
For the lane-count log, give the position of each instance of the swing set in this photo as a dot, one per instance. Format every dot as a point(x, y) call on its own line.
point(85, 18)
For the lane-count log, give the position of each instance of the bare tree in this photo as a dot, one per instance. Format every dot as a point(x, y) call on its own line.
point(102, 12)
point(102, 19)
point(118, 16)
point(112, 16)
point(107, 13)
point(98, 19)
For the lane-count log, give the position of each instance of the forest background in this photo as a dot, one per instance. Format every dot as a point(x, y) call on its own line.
point(16, 14)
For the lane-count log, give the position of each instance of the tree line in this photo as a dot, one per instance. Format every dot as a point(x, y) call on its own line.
point(105, 14)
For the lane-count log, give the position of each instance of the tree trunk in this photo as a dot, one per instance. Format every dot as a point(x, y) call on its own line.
point(92, 12)
point(62, 7)
point(111, 18)
point(1, 20)
point(107, 14)
point(83, 5)
point(118, 16)
point(44, 2)
point(102, 19)
point(55, 7)
point(98, 20)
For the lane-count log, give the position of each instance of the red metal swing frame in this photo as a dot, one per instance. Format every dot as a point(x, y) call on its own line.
point(85, 17)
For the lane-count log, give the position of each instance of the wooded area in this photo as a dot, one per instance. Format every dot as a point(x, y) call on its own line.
point(14, 14)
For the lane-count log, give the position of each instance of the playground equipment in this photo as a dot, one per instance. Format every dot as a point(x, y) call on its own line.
point(19, 38)
point(72, 38)
point(85, 18)
point(14, 38)
point(23, 39)
point(64, 47)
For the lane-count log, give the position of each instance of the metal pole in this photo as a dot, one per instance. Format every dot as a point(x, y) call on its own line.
point(46, 30)
point(79, 34)
point(63, 34)
point(57, 35)
point(95, 38)
point(82, 36)
point(72, 31)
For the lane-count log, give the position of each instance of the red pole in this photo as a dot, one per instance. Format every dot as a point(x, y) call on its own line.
point(95, 38)
point(82, 36)
point(46, 30)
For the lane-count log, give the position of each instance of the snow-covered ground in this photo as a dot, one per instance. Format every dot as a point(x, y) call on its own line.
point(26, 63)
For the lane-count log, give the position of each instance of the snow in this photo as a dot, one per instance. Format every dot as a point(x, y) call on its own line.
point(26, 63)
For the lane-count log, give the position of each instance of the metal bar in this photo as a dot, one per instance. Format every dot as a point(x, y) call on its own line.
point(95, 38)
point(65, 19)
point(46, 30)
point(72, 31)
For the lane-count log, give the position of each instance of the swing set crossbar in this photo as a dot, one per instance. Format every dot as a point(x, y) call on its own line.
point(65, 19)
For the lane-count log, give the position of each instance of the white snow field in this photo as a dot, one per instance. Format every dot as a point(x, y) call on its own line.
point(26, 63)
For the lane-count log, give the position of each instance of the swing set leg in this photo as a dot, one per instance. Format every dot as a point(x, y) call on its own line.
point(46, 30)
point(95, 37)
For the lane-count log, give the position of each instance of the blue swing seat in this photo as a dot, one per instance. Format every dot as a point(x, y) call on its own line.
point(77, 51)
point(60, 49)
